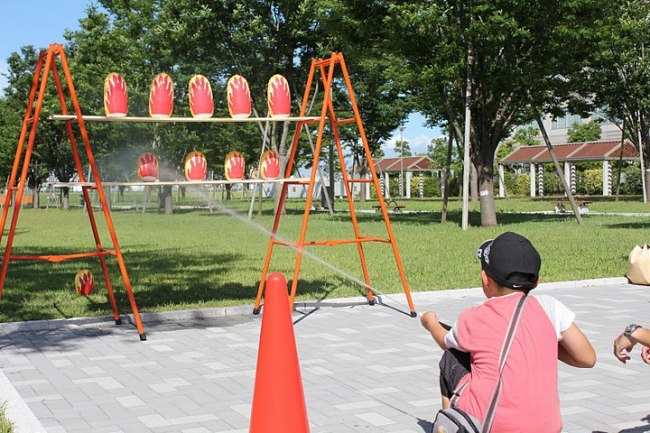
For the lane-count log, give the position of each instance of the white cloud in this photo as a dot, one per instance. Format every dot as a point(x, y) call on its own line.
point(417, 145)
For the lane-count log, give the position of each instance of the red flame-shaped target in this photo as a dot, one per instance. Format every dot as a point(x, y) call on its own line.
point(270, 165)
point(201, 103)
point(239, 97)
point(196, 166)
point(234, 166)
point(148, 167)
point(161, 96)
point(278, 97)
point(84, 282)
point(115, 96)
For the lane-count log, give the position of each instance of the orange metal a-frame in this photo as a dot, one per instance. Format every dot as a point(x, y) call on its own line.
point(327, 68)
point(17, 182)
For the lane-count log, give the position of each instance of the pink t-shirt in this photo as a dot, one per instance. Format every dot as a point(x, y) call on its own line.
point(529, 395)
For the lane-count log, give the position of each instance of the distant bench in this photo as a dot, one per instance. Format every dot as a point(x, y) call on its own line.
point(392, 205)
point(560, 206)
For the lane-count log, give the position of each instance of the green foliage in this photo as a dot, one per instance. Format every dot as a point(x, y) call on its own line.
point(402, 148)
point(631, 182)
point(617, 80)
point(437, 151)
point(522, 185)
point(520, 52)
point(590, 131)
point(431, 186)
point(523, 137)
point(552, 182)
point(590, 182)
point(517, 185)
point(6, 426)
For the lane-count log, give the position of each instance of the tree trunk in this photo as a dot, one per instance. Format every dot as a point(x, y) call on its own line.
point(488, 212)
point(485, 176)
point(284, 159)
point(445, 181)
point(109, 200)
point(363, 172)
point(66, 198)
point(35, 197)
point(473, 184)
point(647, 182)
point(166, 200)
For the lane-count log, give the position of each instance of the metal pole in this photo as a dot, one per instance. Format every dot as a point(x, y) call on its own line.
point(401, 161)
point(330, 193)
point(640, 139)
point(467, 141)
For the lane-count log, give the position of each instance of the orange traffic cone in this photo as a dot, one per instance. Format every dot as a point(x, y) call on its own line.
point(278, 399)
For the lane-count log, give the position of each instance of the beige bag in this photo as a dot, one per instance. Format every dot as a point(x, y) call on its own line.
point(638, 265)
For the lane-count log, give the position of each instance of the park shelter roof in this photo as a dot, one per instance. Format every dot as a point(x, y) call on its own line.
point(407, 163)
point(573, 152)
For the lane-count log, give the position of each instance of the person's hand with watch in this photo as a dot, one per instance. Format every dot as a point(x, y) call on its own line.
point(624, 343)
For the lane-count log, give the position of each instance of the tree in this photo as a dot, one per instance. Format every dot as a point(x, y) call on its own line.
point(515, 55)
point(52, 153)
point(590, 131)
point(437, 151)
point(129, 38)
point(523, 137)
point(402, 148)
point(617, 81)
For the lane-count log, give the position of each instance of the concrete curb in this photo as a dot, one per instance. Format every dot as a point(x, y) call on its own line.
point(207, 313)
point(16, 410)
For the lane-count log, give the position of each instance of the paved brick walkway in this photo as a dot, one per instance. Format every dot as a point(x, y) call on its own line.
point(364, 368)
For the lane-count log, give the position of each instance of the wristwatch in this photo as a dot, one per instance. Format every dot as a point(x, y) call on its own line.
point(629, 330)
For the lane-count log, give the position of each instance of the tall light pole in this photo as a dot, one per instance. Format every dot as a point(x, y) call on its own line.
point(401, 161)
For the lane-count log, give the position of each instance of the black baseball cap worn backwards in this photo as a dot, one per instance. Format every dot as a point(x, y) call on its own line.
point(507, 254)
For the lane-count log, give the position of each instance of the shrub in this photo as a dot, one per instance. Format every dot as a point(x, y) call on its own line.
point(521, 185)
point(590, 182)
point(431, 186)
point(631, 183)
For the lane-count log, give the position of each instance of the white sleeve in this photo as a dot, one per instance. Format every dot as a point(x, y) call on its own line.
point(451, 338)
point(559, 315)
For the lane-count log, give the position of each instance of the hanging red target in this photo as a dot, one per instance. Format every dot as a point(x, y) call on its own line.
point(115, 96)
point(161, 96)
point(201, 103)
point(278, 96)
point(270, 165)
point(84, 282)
point(148, 167)
point(239, 97)
point(196, 166)
point(234, 166)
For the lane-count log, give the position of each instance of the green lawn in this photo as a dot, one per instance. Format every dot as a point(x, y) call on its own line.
point(196, 258)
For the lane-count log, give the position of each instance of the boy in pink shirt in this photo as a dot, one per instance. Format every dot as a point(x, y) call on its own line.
point(546, 332)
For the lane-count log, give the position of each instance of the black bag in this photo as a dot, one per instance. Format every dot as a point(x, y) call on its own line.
point(454, 420)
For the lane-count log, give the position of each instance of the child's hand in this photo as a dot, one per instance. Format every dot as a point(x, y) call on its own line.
point(428, 317)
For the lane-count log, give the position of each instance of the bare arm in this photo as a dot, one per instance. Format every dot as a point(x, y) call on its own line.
point(623, 345)
point(431, 323)
point(575, 349)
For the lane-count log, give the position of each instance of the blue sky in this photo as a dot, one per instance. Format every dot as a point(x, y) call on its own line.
point(41, 22)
